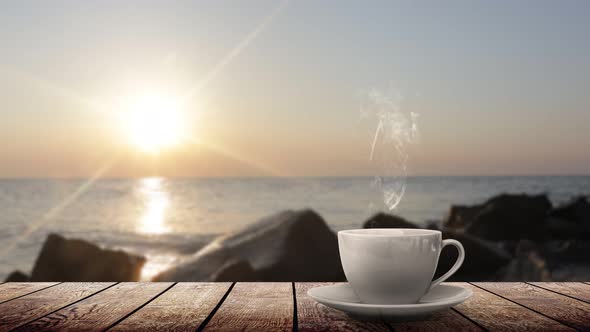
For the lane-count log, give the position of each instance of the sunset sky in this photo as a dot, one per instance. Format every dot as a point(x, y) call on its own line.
point(272, 88)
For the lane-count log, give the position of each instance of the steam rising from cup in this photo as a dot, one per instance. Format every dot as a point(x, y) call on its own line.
point(391, 133)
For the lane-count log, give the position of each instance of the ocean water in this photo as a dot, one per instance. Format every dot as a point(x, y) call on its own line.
point(168, 219)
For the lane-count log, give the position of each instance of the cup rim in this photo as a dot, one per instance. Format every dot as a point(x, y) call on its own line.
point(389, 232)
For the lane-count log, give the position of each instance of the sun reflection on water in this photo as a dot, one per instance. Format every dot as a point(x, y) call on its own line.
point(155, 264)
point(156, 202)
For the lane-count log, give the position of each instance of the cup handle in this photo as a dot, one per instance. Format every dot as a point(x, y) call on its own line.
point(457, 263)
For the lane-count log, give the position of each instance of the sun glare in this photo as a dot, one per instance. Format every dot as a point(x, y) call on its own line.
point(154, 122)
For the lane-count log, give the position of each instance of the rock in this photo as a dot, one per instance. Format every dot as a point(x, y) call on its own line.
point(17, 276)
point(511, 217)
point(564, 229)
point(557, 259)
point(288, 246)
point(528, 264)
point(461, 215)
point(64, 259)
point(559, 253)
point(482, 258)
point(577, 210)
point(571, 273)
point(235, 270)
point(570, 221)
point(433, 225)
point(382, 220)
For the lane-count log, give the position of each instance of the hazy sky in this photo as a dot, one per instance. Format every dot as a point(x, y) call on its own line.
point(501, 87)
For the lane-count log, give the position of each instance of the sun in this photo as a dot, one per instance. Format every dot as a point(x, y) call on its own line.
point(154, 122)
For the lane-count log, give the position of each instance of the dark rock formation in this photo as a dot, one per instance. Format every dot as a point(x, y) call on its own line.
point(577, 210)
point(17, 276)
point(288, 246)
point(527, 265)
point(433, 225)
point(504, 217)
point(64, 259)
point(571, 220)
point(482, 258)
point(461, 215)
point(382, 220)
point(571, 252)
point(230, 270)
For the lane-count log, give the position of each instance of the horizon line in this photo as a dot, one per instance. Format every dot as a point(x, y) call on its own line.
point(285, 177)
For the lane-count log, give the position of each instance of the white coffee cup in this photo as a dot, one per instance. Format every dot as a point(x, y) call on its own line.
point(393, 265)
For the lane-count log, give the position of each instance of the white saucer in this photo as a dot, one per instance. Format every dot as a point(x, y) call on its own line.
point(343, 298)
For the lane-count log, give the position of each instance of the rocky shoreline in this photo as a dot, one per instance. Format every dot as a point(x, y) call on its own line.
point(510, 237)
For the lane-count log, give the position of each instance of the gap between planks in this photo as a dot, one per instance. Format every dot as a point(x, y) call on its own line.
point(294, 298)
point(495, 313)
point(557, 292)
point(139, 308)
point(469, 319)
point(65, 306)
point(295, 322)
point(212, 313)
point(31, 292)
point(259, 306)
point(99, 311)
point(314, 317)
point(526, 307)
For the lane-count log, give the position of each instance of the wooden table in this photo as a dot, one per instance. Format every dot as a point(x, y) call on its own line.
point(281, 306)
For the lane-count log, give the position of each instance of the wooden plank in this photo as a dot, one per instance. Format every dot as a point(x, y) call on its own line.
point(447, 320)
point(32, 306)
point(497, 314)
point(313, 316)
point(566, 310)
point(11, 290)
point(184, 307)
point(576, 290)
point(101, 310)
point(255, 307)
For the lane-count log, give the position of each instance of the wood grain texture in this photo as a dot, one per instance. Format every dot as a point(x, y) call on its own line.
point(566, 310)
point(183, 307)
point(313, 316)
point(269, 306)
point(32, 306)
point(255, 307)
point(578, 290)
point(10, 290)
point(99, 311)
point(447, 320)
point(497, 314)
